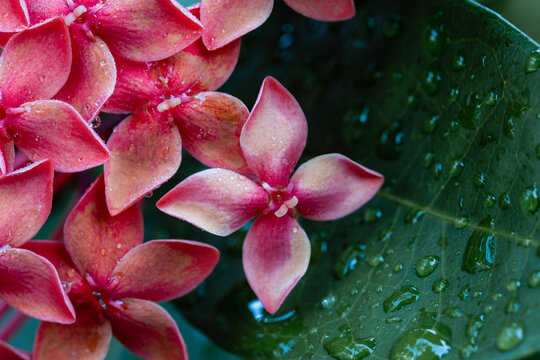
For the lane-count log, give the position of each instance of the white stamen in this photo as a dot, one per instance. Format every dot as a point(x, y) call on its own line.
point(291, 203)
point(70, 18)
point(281, 211)
point(169, 104)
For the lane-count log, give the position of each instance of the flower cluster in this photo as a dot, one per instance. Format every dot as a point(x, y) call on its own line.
point(64, 61)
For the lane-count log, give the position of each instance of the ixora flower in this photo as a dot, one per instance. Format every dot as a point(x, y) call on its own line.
point(276, 250)
point(29, 282)
point(174, 106)
point(140, 30)
point(227, 20)
point(113, 279)
point(40, 128)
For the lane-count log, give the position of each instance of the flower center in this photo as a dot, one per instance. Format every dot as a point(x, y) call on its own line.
point(280, 200)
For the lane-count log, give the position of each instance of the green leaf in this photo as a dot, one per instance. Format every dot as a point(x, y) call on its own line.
point(443, 98)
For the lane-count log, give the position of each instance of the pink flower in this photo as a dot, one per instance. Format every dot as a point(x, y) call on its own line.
point(113, 280)
point(41, 128)
point(227, 20)
point(174, 106)
point(276, 250)
point(140, 30)
point(29, 282)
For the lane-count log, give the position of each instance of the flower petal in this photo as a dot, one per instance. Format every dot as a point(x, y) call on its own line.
point(8, 352)
point(145, 152)
point(42, 10)
point(7, 156)
point(30, 284)
point(323, 10)
point(147, 30)
point(331, 186)
point(137, 84)
point(87, 339)
point(275, 134)
point(162, 270)
point(210, 124)
point(14, 16)
point(197, 69)
point(35, 63)
point(216, 200)
point(148, 330)
point(227, 20)
point(96, 240)
point(25, 202)
point(276, 255)
point(55, 252)
point(52, 129)
point(92, 77)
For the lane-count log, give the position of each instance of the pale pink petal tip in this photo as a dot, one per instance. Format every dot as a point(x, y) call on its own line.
point(324, 10)
point(227, 20)
point(331, 186)
point(216, 200)
point(274, 135)
point(146, 151)
point(275, 255)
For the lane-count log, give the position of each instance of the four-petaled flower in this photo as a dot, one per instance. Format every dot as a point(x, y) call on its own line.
point(29, 282)
point(41, 128)
point(227, 20)
point(174, 106)
point(276, 250)
point(113, 279)
point(140, 30)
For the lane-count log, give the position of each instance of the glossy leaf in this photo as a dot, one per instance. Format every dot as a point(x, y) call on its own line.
point(442, 98)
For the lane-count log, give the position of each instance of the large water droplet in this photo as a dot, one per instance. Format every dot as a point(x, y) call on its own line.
point(423, 343)
point(510, 336)
point(440, 285)
point(479, 254)
point(427, 265)
point(529, 199)
point(404, 296)
point(504, 201)
point(347, 347)
point(534, 279)
point(533, 61)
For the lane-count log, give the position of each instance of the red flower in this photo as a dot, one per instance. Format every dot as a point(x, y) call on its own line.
point(140, 30)
point(174, 105)
point(29, 282)
point(113, 280)
point(276, 249)
point(40, 128)
point(227, 20)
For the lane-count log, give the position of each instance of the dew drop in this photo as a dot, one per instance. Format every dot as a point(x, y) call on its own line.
point(459, 61)
point(510, 336)
point(440, 285)
point(347, 347)
point(413, 216)
point(504, 201)
point(513, 285)
point(422, 343)
point(348, 260)
point(479, 254)
point(404, 296)
point(426, 265)
point(533, 61)
point(529, 199)
point(479, 179)
point(96, 122)
point(329, 301)
point(431, 124)
point(456, 167)
point(534, 279)
point(512, 306)
point(149, 194)
point(372, 214)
